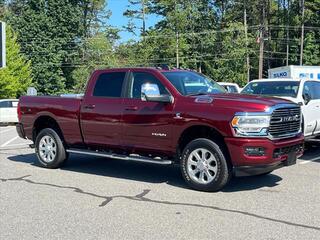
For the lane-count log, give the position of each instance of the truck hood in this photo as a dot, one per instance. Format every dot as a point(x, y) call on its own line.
point(295, 100)
point(244, 102)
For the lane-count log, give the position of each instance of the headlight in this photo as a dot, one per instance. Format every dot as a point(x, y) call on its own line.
point(251, 125)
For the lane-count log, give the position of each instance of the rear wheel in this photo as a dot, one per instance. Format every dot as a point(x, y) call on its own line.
point(50, 150)
point(204, 166)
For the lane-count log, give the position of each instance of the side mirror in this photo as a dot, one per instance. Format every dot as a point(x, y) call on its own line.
point(306, 98)
point(150, 92)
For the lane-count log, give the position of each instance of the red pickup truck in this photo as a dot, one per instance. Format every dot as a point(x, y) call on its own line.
point(164, 117)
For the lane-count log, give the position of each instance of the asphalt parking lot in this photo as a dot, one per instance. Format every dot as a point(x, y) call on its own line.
point(97, 198)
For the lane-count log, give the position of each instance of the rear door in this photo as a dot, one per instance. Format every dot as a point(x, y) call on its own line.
point(101, 109)
point(147, 125)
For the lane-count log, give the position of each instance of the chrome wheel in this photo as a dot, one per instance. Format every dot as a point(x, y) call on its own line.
point(202, 166)
point(47, 149)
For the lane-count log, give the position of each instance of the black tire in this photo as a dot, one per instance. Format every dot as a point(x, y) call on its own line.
point(223, 173)
point(60, 153)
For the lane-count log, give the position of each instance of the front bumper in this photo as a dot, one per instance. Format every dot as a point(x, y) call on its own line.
point(276, 153)
point(242, 171)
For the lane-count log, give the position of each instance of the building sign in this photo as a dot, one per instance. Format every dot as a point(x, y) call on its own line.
point(280, 74)
point(32, 91)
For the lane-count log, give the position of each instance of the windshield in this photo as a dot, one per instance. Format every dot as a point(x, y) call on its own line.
point(191, 83)
point(276, 88)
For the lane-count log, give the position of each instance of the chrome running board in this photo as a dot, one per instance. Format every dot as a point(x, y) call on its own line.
point(132, 157)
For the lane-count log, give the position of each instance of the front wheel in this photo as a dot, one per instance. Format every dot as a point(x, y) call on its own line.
point(204, 166)
point(50, 149)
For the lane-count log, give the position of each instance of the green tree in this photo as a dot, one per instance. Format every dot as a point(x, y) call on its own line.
point(99, 53)
point(15, 78)
point(48, 31)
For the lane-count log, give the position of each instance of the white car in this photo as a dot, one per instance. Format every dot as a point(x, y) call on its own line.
point(303, 92)
point(230, 87)
point(8, 111)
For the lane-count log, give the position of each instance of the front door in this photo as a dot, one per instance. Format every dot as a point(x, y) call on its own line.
point(316, 100)
point(101, 110)
point(147, 125)
point(311, 109)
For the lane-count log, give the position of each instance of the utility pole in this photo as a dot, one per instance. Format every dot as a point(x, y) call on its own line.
point(143, 17)
point(261, 50)
point(177, 38)
point(302, 34)
point(287, 28)
point(246, 37)
point(2, 44)
point(261, 40)
point(177, 50)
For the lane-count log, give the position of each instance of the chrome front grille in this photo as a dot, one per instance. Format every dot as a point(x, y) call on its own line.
point(285, 122)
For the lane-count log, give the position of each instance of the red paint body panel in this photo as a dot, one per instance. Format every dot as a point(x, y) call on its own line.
point(64, 110)
point(133, 124)
point(237, 146)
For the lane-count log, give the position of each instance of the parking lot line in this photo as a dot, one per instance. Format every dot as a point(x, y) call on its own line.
point(6, 130)
point(309, 161)
point(10, 141)
point(18, 144)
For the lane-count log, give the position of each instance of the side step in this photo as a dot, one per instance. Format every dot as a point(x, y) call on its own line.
point(132, 157)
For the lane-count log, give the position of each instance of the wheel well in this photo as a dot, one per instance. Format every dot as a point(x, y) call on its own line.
point(199, 131)
point(45, 122)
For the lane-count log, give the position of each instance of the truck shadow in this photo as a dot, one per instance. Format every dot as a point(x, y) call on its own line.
point(146, 172)
point(312, 153)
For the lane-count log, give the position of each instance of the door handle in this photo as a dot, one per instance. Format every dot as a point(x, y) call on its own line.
point(90, 106)
point(131, 108)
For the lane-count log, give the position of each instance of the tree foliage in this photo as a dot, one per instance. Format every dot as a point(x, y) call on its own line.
point(15, 78)
point(52, 34)
point(66, 39)
point(209, 36)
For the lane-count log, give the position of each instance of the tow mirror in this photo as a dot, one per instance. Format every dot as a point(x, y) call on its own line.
point(306, 98)
point(150, 92)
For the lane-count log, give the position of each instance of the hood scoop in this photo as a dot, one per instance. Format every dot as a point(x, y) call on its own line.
point(204, 99)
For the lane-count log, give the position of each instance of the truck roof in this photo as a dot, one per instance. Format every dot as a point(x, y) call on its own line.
point(159, 69)
point(276, 79)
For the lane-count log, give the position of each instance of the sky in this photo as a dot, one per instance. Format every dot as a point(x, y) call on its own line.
point(117, 7)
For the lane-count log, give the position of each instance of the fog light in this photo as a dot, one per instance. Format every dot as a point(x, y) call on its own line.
point(254, 151)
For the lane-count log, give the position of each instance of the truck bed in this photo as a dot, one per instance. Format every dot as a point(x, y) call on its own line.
point(65, 110)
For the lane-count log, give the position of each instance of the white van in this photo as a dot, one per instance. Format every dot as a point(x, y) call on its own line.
point(230, 87)
point(8, 111)
point(301, 91)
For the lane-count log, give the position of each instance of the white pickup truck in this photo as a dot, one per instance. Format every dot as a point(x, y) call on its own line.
point(304, 92)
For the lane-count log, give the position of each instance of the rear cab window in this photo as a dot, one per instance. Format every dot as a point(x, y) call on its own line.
point(109, 85)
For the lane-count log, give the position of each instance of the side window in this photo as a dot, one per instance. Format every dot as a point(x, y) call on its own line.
point(138, 79)
point(308, 89)
point(5, 104)
point(109, 85)
point(316, 90)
